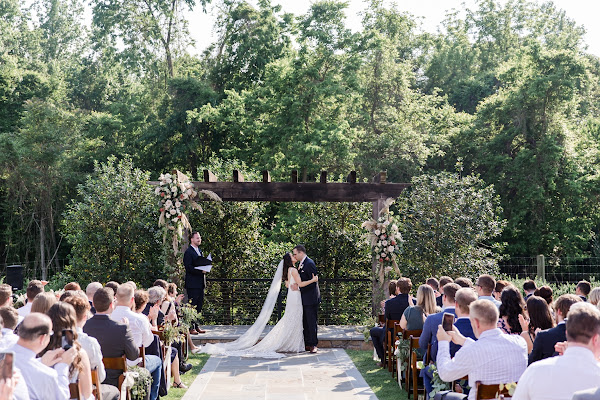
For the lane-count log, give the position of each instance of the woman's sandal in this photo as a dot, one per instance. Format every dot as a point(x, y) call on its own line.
point(179, 385)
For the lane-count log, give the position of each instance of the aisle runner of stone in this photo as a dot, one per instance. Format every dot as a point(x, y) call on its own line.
point(327, 375)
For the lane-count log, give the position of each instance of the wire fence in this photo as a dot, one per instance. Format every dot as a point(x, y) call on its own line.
point(553, 269)
point(34, 270)
point(239, 301)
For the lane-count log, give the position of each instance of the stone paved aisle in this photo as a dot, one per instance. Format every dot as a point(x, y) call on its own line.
point(327, 375)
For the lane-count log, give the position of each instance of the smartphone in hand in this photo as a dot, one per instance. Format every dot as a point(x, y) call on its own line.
point(67, 339)
point(447, 322)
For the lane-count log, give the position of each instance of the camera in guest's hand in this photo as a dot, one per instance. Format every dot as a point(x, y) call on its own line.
point(67, 339)
point(6, 365)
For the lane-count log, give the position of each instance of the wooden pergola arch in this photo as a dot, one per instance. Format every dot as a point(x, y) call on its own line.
point(376, 191)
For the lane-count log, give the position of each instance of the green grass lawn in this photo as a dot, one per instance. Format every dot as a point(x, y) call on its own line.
point(379, 379)
point(197, 361)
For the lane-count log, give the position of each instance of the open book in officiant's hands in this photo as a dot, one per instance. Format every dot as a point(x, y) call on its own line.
point(204, 263)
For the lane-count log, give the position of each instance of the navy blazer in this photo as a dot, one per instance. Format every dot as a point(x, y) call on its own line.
point(429, 334)
point(394, 308)
point(194, 279)
point(543, 345)
point(115, 339)
point(311, 294)
point(465, 328)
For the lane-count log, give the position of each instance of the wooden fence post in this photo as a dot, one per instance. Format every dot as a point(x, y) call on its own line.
point(541, 267)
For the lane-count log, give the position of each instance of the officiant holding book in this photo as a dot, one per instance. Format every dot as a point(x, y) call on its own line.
point(195, 278)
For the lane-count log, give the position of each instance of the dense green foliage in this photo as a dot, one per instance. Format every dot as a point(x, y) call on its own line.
point(507, 87)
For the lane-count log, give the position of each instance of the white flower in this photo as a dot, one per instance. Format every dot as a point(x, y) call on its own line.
point(379, 244)
point(178, 204)
point(172, 211)
point(384, 243)
point(394, 227)
point(382, 237)
point(185, 196)
point(168, 180)
point(382, 230)
point(167, 175)
point(168, 204)
point(391, 249)
point(382, 254)
point(157, 190)
point(386, 223)
point(189, 191)
point(174, 189)
point(377, 232)
point(175, 219)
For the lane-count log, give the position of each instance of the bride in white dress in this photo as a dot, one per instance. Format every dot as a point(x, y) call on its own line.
point(285, 337)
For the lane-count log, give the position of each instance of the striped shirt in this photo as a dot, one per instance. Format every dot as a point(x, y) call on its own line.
point(494, 358)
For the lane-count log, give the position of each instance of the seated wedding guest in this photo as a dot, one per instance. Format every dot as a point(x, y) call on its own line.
point(113, 285)
point(500, 285)
point(72, 286)
point(394, 308)
point(529, 287)
point(43, 302)
point(444, 280)
point(588, 394)
point(485, 287)
point(90, 290)
point(512, 306)
point(140, 300)
point(583, 289)
point(161, 282)
point(34, 288)
point(47, 378)
point(6, 293)
point(168, 306)
point(494, 358)
point(543, 345)
point(177, 299)
point(413, 317)
point(63, 318)
point(428, 336)
point(69, 293)
point(392, 292)
point(540, 318)
point(132, 283)
point(114, 337)
point(156, 294)
point(10, 319)
point(544, 292)
point(557, 378)
point(594, 296)
point(141, 332)
point(90, 344)
point(435, 285)
point(464, 282)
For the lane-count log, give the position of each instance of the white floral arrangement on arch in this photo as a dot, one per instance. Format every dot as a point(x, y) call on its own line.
point(385, 240)
point(176, 195)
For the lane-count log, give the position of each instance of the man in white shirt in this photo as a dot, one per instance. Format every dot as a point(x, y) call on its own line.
point(10, 318)
point(494, 358)
point(557, 378)
point(485, 287)
point(47, 378)
point(140, 328)
point(34, 288)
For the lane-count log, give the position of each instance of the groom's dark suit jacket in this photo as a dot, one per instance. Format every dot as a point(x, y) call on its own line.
point(194, 279)
point(311, 294)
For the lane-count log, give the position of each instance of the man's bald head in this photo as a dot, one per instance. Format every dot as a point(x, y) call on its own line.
point(35, 325)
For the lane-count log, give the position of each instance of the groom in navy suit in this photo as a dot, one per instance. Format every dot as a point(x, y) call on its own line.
point(311, 297)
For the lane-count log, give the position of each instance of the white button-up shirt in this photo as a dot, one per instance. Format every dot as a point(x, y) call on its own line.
point(494, 358)
point(25, 310)
point(557, 378)
point(138, 324)
point(9, 339)
point(93, 350)
point(43, 382)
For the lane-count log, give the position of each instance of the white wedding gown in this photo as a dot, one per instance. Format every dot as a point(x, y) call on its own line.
point(285, 337)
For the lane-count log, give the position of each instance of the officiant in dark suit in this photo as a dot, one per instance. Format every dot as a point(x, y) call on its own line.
point(195, 280)
point(311, 297)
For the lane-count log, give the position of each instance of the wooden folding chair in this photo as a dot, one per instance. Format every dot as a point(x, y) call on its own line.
point(96, 382)
point(389, 343)
point(74, 391)
point(455, 382)
point(413, 370)
point(488, 392)
point(397, 334)
point(406, 334)
point(117, 363)
point(143, 355)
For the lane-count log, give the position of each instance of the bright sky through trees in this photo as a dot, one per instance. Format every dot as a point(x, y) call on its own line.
point(584, 12)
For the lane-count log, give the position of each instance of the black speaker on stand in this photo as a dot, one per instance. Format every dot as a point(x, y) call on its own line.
point(14, 276)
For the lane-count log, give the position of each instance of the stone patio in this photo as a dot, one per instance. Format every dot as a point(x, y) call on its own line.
point(330, 336)
point(327, 375)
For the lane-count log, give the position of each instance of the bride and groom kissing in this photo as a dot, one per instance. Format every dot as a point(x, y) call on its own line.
point(296, 331)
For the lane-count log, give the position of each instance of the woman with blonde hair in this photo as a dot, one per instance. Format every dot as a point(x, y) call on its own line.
point(414, 316)
point(594, 296)
point(42, 302)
